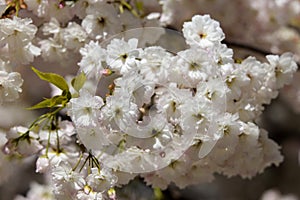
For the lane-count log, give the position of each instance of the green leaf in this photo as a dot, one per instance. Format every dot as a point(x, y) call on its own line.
point(139, 6)
point(78, 81)
point(50, 103)
point(55, 79)
point(158, 195)
point(59, 101)
point(127, 5)
point(121, 9)
point(135, 13)
point(43, 104)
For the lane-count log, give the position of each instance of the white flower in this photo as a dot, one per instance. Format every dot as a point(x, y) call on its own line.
point(5, 66)
point(93, 57)
point(101, 20)
point(202, 31)
point(22, 141)
point(214, 90)
point(182, 118)
point(133, 85)
point(121, 55)
point(10, 86)
point(169, 10)
point(64, 131)
point(101, 179)
point(284, 67)
point(52, 50)
point(221, 125)
point(42, 164)
point(119, 110)
point(24, 55)
point(73, 36)
point(196, 114)
point(16, 30)
point(52, 27)
point(153, 64)
point(84, 110)
point(222, 54)
point(93, 137)
point(54, 158)
point(66, 182)
point(16, 34)
point(87, 194)
point(191, 66)
point(253, 152)
point(170, 100)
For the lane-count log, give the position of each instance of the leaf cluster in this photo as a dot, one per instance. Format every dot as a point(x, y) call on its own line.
point(58, 101)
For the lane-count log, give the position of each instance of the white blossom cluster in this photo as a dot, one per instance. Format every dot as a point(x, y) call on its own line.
point(48, 29)
point(97, 20)
point(269, 25)
point(179, 117)
point(149, 111)
point(16, 37)
point(15, 48)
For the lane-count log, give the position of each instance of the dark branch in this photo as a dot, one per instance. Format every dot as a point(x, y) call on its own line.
point(251, 48)
point(247, 47)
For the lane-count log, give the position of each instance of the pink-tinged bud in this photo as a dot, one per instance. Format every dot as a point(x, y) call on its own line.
point(106, 72)
point(61, 5)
